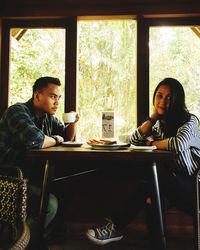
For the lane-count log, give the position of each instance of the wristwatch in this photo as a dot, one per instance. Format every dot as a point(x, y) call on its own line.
point(56, 139)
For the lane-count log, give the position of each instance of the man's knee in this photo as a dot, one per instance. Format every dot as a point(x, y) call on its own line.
point(52, 209)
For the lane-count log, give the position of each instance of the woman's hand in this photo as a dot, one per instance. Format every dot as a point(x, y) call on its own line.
point(154, 115)
point(149, 122)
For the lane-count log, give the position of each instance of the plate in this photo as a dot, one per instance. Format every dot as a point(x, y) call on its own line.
point(71, 144)
point(143, 148)
point(110, 146)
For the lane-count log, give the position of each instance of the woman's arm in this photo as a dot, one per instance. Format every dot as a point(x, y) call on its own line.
point(161, 144)
point(184, 138)
point(140, 135)
point(188, 135)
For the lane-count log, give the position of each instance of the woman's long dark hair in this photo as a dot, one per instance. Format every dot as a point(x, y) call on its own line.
point(177, 113)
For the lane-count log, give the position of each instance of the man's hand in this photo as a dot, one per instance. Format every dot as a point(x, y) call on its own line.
point(50, 141)
point(59, 139)
point(77, 118)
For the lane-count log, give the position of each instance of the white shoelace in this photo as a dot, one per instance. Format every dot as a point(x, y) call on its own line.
point(107, 229)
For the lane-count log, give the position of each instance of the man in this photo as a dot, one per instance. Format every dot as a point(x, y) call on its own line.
point(30, 125)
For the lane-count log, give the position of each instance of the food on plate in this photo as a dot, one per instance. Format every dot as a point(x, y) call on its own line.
point(101, 142)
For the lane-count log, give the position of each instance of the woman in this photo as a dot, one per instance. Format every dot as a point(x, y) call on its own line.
point(170, 127)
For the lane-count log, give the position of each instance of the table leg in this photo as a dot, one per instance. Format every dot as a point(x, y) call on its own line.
point(158, 209)
point(47, 177)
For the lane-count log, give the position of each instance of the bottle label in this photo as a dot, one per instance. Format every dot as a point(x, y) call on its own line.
point(108, 124)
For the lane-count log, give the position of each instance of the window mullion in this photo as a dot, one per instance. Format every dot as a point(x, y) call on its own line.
point(142, 71)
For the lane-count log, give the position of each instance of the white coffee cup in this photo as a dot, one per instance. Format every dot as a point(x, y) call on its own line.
point(69, 117)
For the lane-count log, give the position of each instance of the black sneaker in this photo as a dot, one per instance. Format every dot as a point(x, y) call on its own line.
point(104, 234)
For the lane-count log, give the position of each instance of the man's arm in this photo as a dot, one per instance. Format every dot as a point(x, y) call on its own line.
point(50, 141)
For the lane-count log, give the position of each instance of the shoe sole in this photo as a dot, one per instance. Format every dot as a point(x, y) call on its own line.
point(103, 242)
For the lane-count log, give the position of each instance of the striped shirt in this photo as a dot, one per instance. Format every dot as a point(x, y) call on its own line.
point(20, 130)
point(185, 144)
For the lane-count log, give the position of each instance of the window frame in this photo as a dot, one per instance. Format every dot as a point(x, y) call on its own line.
point(70, 23)
point(143, 83)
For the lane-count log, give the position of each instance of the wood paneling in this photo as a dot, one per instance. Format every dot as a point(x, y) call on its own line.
point(36, 8)
point(95, 2)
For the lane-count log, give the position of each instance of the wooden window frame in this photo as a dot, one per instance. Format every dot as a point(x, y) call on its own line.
point(143, 81)
point(70, 24)
point(143, 27)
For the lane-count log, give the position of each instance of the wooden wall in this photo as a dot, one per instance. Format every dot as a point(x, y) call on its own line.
point(57, 8)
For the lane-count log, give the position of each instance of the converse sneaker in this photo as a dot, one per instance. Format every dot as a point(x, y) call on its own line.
point(104, 234)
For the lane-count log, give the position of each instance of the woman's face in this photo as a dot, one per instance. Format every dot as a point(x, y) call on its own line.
point(162, 99)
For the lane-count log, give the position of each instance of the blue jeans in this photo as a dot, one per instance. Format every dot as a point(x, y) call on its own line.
point(33, 212)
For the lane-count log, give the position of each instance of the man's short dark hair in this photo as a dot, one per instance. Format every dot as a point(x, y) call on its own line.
point(43, 82)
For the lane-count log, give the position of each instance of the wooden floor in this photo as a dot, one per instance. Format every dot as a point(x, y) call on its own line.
point(126, 244)
point(132, 241)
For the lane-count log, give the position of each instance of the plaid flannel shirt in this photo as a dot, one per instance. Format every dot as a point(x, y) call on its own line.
point(20, 131)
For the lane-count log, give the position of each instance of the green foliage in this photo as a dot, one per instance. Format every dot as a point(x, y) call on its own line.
point(175, 52)
point(107, 75)
point(38, 53)
point(106, 65)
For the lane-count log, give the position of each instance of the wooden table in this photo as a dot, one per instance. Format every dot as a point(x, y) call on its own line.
point(86, 153)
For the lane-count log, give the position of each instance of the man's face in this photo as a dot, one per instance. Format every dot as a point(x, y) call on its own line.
point(48, 99)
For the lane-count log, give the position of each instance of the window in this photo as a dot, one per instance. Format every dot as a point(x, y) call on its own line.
point(35, 53)
point(175, 52)
point(106, 75)
point(104, 64)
